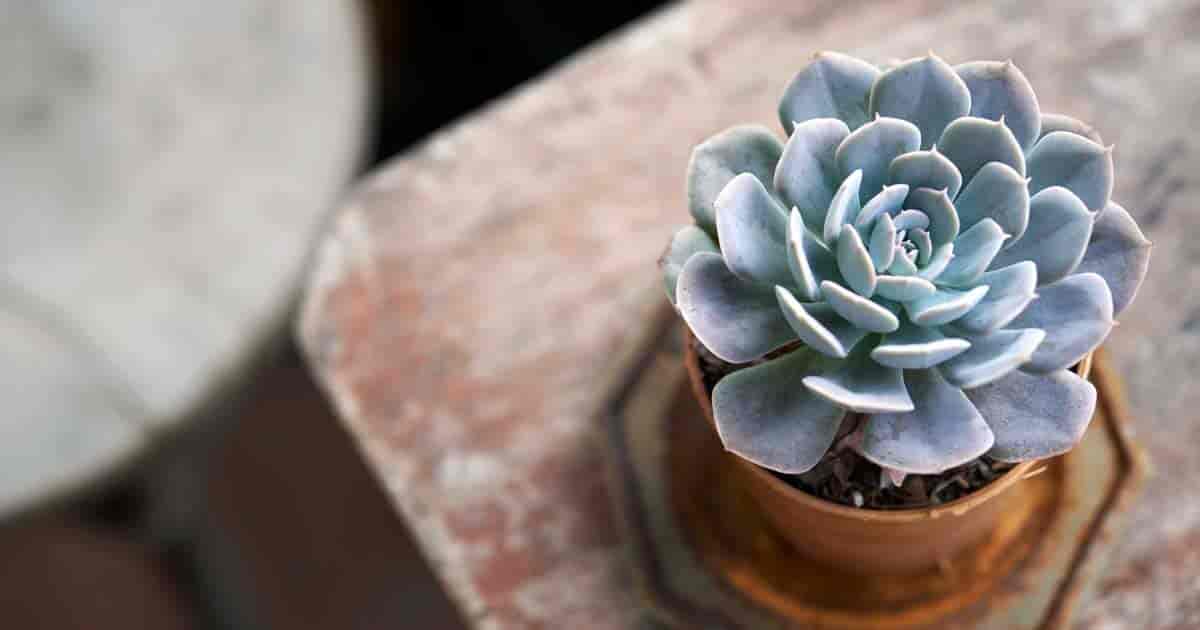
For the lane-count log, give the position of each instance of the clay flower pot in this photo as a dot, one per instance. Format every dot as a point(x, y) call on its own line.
point(872, 541)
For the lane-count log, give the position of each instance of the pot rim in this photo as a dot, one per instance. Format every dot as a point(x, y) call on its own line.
point(956, 507)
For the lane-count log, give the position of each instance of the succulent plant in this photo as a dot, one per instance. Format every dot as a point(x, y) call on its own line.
point(943, 251)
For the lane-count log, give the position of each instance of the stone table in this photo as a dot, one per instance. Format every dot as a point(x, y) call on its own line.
point(467, 300)
point(163, 169)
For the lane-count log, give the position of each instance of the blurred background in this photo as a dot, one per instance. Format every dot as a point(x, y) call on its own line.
point(165, 459)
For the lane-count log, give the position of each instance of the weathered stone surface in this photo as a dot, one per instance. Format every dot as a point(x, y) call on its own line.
point(163, 167)
point(469, 294)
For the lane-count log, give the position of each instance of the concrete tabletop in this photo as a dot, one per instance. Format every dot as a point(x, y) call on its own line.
point(467, 299)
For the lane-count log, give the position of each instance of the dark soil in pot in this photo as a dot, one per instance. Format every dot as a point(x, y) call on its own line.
point(845, 477)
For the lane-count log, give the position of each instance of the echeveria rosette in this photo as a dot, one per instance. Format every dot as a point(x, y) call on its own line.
point(943, 250)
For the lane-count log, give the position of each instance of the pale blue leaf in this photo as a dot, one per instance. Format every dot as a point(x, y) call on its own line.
point(926, 169)
point(944, 306)
point(750, 149)
point(687, 241)
point(975, 250)
point(819, 326)
point(810, 260)
point(873, 146)
point(1075, 163)
point(999, 193)
point(938, 262)
point(807, 174)
point(902, 265)
point(925, 91)
point(1010, 290)
point(1119, 253)
point(943, 430)
point(915, 347)
point(844, 208)
point(999, 90)
point(904, 288)
point(862, 385)
point(833, 85)
point(1059, 122)
point(1035, 416)
point(752, 230)
point(736, 320)
point(1076, 313)
point(858, 310)
point(887, 201)
point(883, 242)
point(920, 239)
point(854, 262)
point(1057, 237)
point(911, 220)
point(943, 218)
point(992, 356)
point(971, 142)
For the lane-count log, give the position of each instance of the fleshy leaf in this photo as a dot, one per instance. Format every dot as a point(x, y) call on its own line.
point(687, 241)
point(1035, 416)
point(926, 91)
point(904, 288)
point(1057, 237)
point(833, 85)
point(971, 142)
point(976, 248)
point(938, 262)
point(943, 218)
point(944, 306)
point(1059, 122)
point(943, 431)
point(858, 310)
point(926, 169)
point(1119, 253)
point(854, 262)
point(872, 147)
point(887, 201)
point(764, 416)
point(742, 149)
point(809, 259)
point(818, 326)
point(911, 220)
point(920, 238)
point(736, 320)
point(1075, 163)
point(992, 356)
point(807, 174)
point(1010, 290)
point(998, 89)
point(862, 385)
point(883, 242)
point(1076, 313)
point(915, 347)
point(844, 208)
point(751, 230)
point(901, 265)
point(999, 193)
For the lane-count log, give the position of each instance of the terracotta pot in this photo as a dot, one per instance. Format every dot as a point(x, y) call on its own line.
point(872, 541)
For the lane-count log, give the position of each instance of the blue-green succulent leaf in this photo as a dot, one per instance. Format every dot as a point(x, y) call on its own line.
point(858, 310)
point(737, 320)
point(999, 193)
point(925, 91)
point(832, 86)
point(844, 208)
point(911, 220)
point(1059, 122)
point(1075, 163)
point(971, 142)
point(1010, 290)
point(915, 347)
point(687, 241)
point(752, 230)
point(883, 242)
point(1076, 313)
point(1035, 416)
point(859, 384)
point(999, 90)
point(887, 201)
point(992, 356)
point(904, 288)
point(819, 326)
point(807, 174)
point(810, 260)
point(926, 169)
point(943, 218)
point(943, 431)
point(763, 416)
point(938, 262)
point(902, 265)
point(854, 262)
point(976, 248)
point(944, 306)
point(924, 244)
point(742, 149)
point(1057, 237)
point(873, 146)
point(1119, 253)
